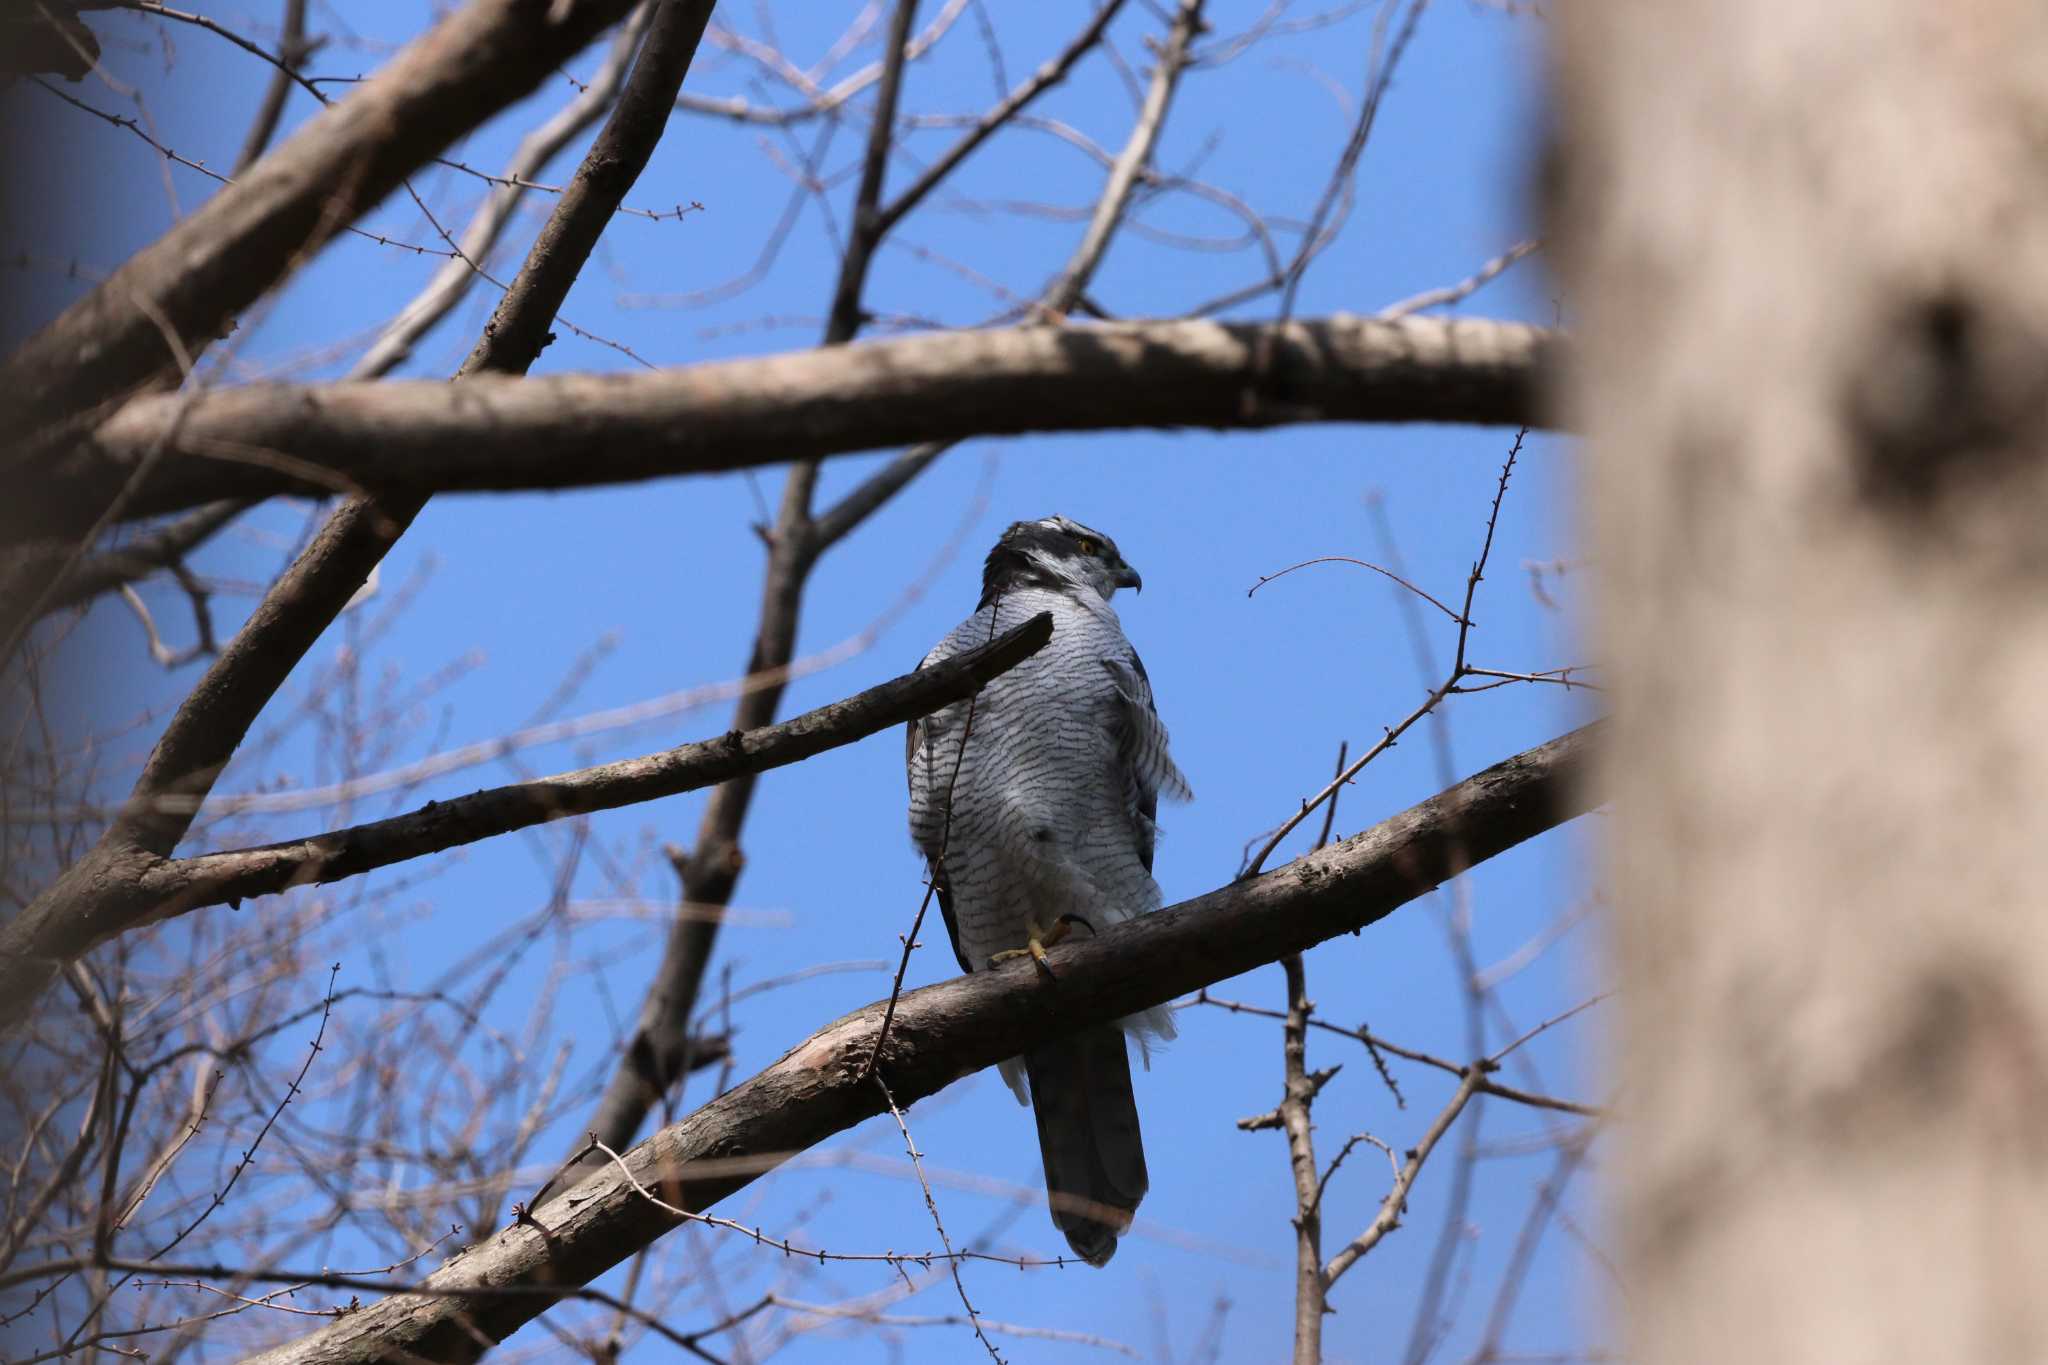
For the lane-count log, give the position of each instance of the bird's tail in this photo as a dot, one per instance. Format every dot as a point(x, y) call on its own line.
point(1088, 1135)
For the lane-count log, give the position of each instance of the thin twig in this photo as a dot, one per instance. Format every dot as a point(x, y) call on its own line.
point(1396, 1202)
point(932, 1207)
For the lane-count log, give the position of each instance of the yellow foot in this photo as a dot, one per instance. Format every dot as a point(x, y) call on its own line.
point(1034, 948)
point(1041, 939)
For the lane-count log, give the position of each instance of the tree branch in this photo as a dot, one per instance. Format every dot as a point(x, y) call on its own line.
point(1296, 1103)
point(574, 430)
point(211, 723)
point(710, 872)
point(292, 51)
point(57, 930)
point(1396, 1202)
point(941, 1033)
point(711, 869)
point(185, 289)
point(1045, 78)
point(1065, 292)
point(37, 561)
point(394, 345)
point(213, 878)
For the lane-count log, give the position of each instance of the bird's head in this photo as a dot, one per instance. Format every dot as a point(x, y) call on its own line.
point(1059, 553)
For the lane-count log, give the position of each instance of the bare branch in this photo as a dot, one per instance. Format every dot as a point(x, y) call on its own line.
point(57, 931)
point(1463, 289)
point(1300, 1094)
point(456, 275)
point(210, 725)
point(868, 225)
point(576, 430)
point(1065, 291)
point(1396, 1202)
point(711, 870)
point(1042, 80)
point(91, 575)
point(941, 1033)
point(292, 49)
point(253, 233)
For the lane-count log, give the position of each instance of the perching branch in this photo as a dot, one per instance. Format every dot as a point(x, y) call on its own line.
point(801, 535)
point(212, 878)
point(941, 1033)
point(55, 930)
point(576, 430)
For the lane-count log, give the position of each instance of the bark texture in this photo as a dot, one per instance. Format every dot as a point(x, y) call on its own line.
point(1810, 243)
point(942, 1033)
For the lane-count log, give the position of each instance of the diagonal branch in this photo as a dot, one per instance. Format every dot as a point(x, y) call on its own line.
point(188, 285)
point(292, 51)
point(1396, 1201)
point(1061, 295)
point(176, 886)
point(710, 871)
point(459, 273)
point(941, 1033)
point(1065, 291)
point(209, 726)
point(1045, 78)
point(801, 535)
point(577, 430)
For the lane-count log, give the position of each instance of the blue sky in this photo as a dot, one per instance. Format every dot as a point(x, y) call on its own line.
point(1258, 691)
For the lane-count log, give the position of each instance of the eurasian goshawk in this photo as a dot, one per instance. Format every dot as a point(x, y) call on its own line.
point(1037, 817)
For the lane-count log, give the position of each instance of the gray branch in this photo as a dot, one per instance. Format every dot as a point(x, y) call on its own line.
point(145, 890)
point(183, 290)
point(574, 430)
point(940, 1034)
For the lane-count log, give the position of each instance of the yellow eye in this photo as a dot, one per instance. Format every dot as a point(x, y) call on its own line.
point(1088, 545)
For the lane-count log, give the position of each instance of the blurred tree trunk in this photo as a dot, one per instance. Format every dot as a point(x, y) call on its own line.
point(1811, 246)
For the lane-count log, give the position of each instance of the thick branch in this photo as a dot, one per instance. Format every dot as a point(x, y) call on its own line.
point(54, 930)
point(210, 724)
point(647, 1065)
point(573, 430)
point(193, 280)
point(946, 1031)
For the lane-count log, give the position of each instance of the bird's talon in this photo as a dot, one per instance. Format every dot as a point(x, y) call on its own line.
point(1034, 949)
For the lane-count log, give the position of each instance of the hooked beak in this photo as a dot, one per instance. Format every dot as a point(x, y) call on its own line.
point(1127, 577)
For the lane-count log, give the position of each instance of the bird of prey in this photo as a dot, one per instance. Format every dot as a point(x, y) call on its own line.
point(1033, 805)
